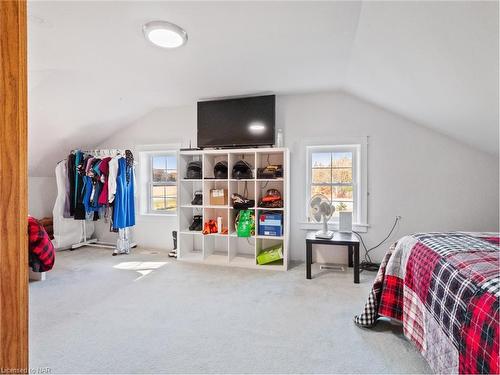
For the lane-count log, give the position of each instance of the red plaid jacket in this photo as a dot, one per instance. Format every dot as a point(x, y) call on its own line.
point(41, 251)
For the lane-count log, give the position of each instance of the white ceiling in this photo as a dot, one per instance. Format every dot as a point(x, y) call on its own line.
point(91, 72)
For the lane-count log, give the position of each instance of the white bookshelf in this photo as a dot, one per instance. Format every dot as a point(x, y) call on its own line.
point(229, 249)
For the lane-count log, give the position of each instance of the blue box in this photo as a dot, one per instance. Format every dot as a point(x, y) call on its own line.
point(271, 224)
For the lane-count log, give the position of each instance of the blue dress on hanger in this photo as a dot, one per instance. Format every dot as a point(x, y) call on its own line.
point(124, 210)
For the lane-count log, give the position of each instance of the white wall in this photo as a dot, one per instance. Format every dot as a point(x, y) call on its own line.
point(432, 181)
point(160, 127)
point(42, 193)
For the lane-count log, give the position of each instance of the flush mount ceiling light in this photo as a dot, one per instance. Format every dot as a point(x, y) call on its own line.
point(164, 34)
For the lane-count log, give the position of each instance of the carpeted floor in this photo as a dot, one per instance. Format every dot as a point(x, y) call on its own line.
point(146, 313)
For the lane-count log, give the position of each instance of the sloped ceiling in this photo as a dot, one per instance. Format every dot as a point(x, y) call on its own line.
point(91, 73)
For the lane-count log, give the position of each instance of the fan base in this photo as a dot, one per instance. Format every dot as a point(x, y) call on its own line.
point(328, 235)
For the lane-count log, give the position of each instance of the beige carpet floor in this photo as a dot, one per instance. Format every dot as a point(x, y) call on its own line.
point(146, 313)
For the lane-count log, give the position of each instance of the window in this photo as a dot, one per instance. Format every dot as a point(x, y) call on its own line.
point(163, 183)
point(335, 172)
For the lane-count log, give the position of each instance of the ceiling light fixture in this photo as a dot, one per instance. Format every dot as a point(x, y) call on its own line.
point(164, 34)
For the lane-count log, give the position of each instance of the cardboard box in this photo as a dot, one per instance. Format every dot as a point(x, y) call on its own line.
point(271, 224)
point(218, 197)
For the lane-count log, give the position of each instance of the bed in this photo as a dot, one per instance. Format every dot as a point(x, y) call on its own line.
point(444, 288)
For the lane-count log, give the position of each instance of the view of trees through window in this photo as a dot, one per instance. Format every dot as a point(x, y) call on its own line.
point(163, 184)
point(331, 175)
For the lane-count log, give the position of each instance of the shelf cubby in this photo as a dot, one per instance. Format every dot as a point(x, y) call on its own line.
point(242, 250)
point(187, 190)
point(245, 188)
point(190, 247)
point(213, 213)
point(263, 186)
point(209, 185)
point(246, 155)
point(215, 248)
point(232, 219)
point(265, 243)
point(271, 157)
point(209, 162)
point(184, 160)
point(186, 215)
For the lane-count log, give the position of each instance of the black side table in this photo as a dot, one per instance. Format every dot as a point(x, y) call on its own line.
point(340, 239)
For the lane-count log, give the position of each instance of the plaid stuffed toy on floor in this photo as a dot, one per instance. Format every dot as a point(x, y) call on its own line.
point(444, 288)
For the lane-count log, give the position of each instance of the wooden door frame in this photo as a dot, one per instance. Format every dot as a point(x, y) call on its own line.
point(13, 188)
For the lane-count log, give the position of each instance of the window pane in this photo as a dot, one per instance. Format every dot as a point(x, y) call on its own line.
point(325, 190)
point(163, 191)
point(321, 159)
point(171, 191)
point(171, 162)
point(159, 191)
point(159, 162)
point(342, 175)
point(322, 175)
point(164, 204)
point(343, 206)
point(164, 168)
point(159, 168)
point(171, 175)
point(342, 159)
point(342, 193)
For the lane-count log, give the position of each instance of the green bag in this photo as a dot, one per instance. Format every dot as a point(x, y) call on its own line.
point(245, 223)
point(270, 254)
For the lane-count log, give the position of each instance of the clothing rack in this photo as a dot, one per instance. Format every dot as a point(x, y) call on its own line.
point(93, 242)
point(123, 234)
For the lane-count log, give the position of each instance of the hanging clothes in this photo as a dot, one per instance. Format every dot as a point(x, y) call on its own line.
point(124, 208)
point(91, 186)
point(104, 169)
point(112, 174)
point(67, 231)
point(88, 187)
point(63, 188)
point(79, 188)
point(71, 181)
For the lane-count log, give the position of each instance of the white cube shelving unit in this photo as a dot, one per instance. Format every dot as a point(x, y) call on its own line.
point(229, 249)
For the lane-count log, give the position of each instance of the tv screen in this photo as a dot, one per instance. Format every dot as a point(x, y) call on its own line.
point(236, 122)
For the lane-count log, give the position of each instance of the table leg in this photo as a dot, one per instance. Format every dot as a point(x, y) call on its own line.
point(308, 259)
point(356, 264)
point(349, 254)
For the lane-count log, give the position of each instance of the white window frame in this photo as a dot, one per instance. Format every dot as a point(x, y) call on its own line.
point(146, 180)
point(151, 184)
point(360, 175)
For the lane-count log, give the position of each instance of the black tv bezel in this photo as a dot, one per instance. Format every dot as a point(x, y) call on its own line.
point(241, 145)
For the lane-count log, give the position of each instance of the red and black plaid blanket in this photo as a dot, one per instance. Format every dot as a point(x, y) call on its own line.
point(444, 288)
point(41, 251)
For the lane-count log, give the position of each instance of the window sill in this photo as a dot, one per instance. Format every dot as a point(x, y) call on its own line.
point(305, 225)
point(151, 214)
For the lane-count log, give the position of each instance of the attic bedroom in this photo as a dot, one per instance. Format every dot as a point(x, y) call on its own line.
point(249, 187)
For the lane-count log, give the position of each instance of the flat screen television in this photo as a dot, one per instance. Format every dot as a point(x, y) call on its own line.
point(238, 122)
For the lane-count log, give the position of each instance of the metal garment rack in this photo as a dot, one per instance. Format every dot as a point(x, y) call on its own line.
point(94, 242)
